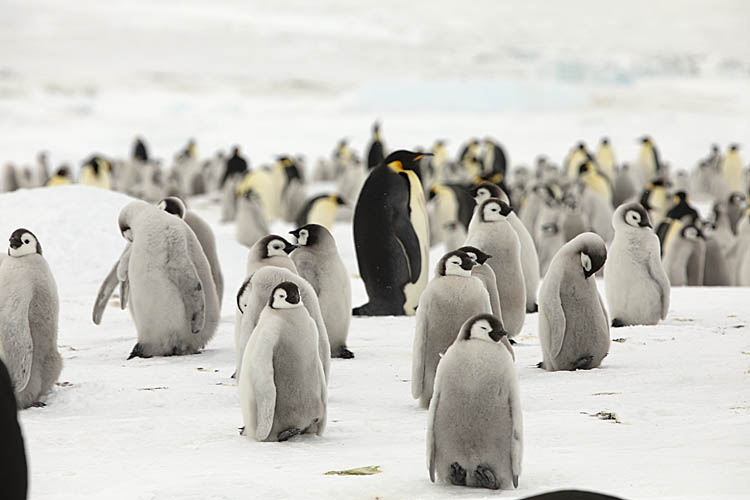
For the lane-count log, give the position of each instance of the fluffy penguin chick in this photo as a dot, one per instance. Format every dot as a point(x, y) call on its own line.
point(493, 234)
point(318, 261)
point(689, 241)
point(486, 275)
point(29, 309)
point(573, 325)
point(474, 426)
point(451, 298)
point(282, 384)
point(271, 250)
point(634, 278)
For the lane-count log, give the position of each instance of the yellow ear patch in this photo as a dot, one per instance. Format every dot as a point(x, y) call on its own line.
point(396, 166)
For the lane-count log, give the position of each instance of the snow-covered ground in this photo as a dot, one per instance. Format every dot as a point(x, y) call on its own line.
point(167, 427)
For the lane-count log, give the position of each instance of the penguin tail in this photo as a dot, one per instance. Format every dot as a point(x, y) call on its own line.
point(583, 363)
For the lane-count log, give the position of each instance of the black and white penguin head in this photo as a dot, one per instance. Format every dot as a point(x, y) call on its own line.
point(276, 246)
point(285, 296)
point(456, 263)
point(633, 215)
point(476, 254)
point(174, 206)
point(483, 327)
point(23, 242)
point(487, 190)
point(738, 200)
point(125, 230)
point(592, 252)
point(404, 160)
point(311, 235)
point(494, 209)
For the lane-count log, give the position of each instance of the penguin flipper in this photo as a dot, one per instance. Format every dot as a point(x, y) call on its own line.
point(516, 447)
point(431, 445)
point(420, 341)
point(555, 316)
point(105, 292)
point(409, 243)
point(16, 341)
point(182, 272)
point(656, 272)
point(264, 388)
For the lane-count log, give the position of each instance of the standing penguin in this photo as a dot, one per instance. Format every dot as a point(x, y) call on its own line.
point(733, 169)
point(172, 299)
point(391, 236)
point(13, 472)
point(96, 172)
point(494, 235)
point(716, 271)
point(271, 250)
point(282, 386)
point(687, 242)
point(605, 159)
point(251, 224)
point(634, 278)
point(474, 426)
point(318, 261)
point(29, 309)
point(550, 238)
point(736, 206)
point(376, 150)
point(320, 210)
point(529, 256)
point(648, 159)
point(486, 275)
point(203, 232)
point(573, 325)
point(452, 297)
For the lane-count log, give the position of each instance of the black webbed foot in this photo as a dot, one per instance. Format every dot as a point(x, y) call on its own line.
point(458, 475)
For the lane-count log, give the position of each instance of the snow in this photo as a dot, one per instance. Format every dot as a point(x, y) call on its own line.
point(167, 427)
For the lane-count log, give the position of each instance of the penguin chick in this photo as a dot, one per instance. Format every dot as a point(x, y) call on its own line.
point(251, 224)
point(689, 240)
point(318, 261)
point(573, 325)
point(486, 275)
point(474, 425)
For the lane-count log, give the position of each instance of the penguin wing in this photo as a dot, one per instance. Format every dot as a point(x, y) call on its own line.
point(16, 343)
point(555, 316)
point(182, 272)
point(656, 272)
point(516, 448)
point(409, 243)
point(108, 286)
point(310, 300)
point(264, 387)
point(122, 276)
point(420, 341)
point(432, 414)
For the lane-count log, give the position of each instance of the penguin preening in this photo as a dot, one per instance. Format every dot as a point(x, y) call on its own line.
point(391, 236)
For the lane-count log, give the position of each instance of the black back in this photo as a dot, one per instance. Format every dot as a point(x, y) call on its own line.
point(13, 471)
point(572, 495)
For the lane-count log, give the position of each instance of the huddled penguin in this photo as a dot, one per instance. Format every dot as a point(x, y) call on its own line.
point(321, 210)
point(391, 236)
point(318, 261)
point(529, 256)
point(253, 296)
point(376, 150)
point(493, 234)
point(283, 389)
point(687, 242)
point(453, 296)
point(250, 225)
point(29, 309)
point(172, 296)
point(486, 275)
point(634, 278)
point(573, 325)
point(13, 471)
point(205, 235)
point(474, 426)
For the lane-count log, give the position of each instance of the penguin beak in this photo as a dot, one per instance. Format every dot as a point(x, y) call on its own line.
point(468, 264)
point(496, 335)
point(289, 248)
point(420, 156)
point(15, 243)
point(646, 224)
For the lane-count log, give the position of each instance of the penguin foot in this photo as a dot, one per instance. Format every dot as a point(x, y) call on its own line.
point(288, 434)
point(343, 352)
point(584, 362)
point(485, 478)
point(532, 309)
point(540, 364)
point(373, 310)
point(38, 404)
point(234, 375)
point(617, 323)
point(242, 430)
point(138, 352)
point(458, 475)
point(512, 342)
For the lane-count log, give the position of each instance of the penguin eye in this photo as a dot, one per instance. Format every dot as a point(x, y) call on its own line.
point(633, 218)
point(586, 262)
point(26, 241)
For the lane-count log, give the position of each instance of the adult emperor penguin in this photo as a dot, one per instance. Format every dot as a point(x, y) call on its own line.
point(634, 278)
point(529, 256)
point(474, 426)
point(595, 180)
point(282, 386)
point(391, 236)
point(689, 240)
point(605, 159)
point(172, 296)
point(733, 169)
point(452, 297)
point(486, 275)
point(494, 235)
point(203, 232)
point(29, 309)
point(13, 471)
point(573, 325)
point(577, 156)
point(318, 261)
point(96, 172)
point(321, 210)
point(253, 296)
point(376, 150)
point(648, 159)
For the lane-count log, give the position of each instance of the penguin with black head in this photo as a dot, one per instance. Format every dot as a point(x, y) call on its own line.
point(391, 236)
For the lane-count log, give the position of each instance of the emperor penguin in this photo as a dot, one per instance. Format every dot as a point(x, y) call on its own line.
point(716, 271)
point(595, 180)
point(96, 172)
point(452, 202)
point(205, 235)
point(605, 159)
point(648, 159)
point(572, 220)
point(62, 177)
point(529, 256)
point(282, 386)
point(550, 238)
point(634, 278)
point(573, 325)
point(655, 199)
point(10, 178)
point(376, 149)
point(172, 297)
point(251, 224)
point(475, 423)
point(320, 210)
point(452, 297)
point(733, 169)
point(494, 235)
point(229, 198)
point(295, 197)
point(486, 275)
point(29, 309)
point(253, 296)
point(572, 495)
point(318, 261)
point(13, 473)
point(688, 241)
point(575, 158)
point(454, 235)
point(391, 236)
point(271, 250)
point(624, 186)
point(736, 206)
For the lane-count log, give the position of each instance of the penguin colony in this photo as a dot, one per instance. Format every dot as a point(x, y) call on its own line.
point(564, 225)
